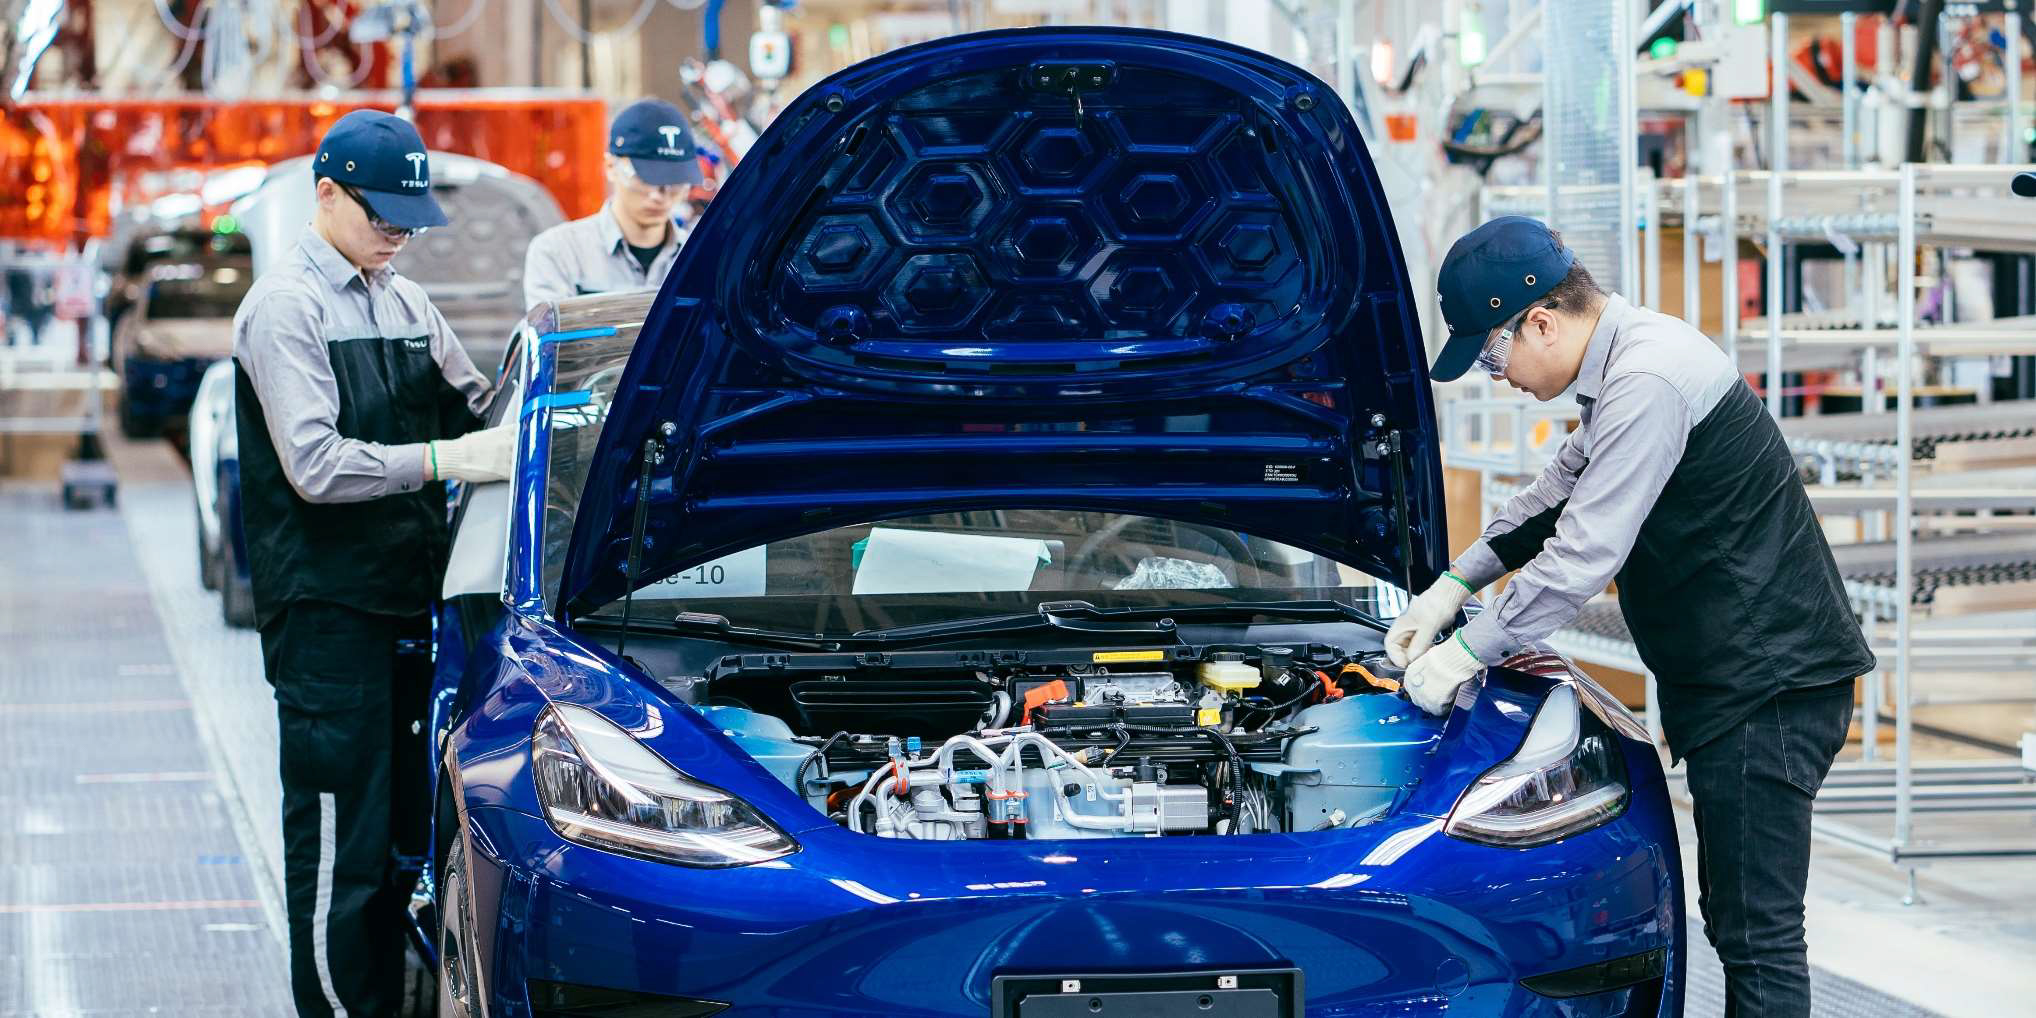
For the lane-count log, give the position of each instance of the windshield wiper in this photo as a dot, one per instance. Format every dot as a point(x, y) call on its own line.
point(1080, 618)
point(1075, 618)
point(1324, 610)
point(718, 627)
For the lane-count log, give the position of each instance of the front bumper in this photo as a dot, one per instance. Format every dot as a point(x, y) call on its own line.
point(1393, 919)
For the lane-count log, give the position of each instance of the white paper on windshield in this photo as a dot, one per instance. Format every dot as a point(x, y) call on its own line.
point(936, 562)
point(1162, 573)
point(737, 575)
point(479, 562)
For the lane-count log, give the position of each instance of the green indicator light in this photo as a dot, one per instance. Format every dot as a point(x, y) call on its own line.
point(1473, 48)
point(1663, 48)
point(1749, 12)
point(225, 224)
point(1470, 42)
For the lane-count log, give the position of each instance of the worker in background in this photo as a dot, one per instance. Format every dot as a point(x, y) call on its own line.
point(632, 241)
point(354, 401)
point(1679, 486)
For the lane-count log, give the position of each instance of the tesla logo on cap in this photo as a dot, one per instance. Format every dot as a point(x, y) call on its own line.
point(416, 169)
point(671, 146)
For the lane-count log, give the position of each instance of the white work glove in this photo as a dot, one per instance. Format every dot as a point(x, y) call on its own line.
point(480, 456)
point(1432, 682)
point(1415, 630)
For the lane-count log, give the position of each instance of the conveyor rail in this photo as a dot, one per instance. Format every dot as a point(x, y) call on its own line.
point(1930, 428)
point(1939, 563)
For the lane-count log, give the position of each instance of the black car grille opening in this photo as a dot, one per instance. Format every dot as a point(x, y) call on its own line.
point(1641, 971)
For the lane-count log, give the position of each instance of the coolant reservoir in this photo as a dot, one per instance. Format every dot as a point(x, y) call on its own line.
point(1363, 756)
point(1227, 673)
point(764, 737)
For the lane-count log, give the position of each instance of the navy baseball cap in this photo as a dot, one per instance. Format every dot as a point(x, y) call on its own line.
point(652, 135)
point(1492, 274)
point(383, 157)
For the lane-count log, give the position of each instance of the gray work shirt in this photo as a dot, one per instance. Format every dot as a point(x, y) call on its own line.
point(315, 296)
point(1647, 379)
point(588, 256)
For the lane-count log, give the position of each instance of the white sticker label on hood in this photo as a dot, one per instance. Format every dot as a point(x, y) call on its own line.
point(896, 561)
point(737, 575)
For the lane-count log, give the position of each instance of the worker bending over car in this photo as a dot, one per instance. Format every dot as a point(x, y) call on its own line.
point(1678, 485)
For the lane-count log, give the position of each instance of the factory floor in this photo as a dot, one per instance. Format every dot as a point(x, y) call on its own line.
point(140, 849)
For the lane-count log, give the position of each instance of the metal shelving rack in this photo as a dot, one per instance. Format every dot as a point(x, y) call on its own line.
point(1937, 783)
point(1891, 215)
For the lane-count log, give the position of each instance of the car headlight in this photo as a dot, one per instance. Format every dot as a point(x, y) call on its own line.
point(602, 788)
point(1563, 780)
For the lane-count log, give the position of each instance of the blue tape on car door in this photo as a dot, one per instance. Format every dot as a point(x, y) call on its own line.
point(567, 337)
point(558, 400)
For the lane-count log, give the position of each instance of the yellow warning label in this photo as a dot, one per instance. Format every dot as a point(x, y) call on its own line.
point(1105, 657)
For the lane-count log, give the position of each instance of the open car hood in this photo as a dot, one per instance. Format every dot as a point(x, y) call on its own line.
point(1104, 269)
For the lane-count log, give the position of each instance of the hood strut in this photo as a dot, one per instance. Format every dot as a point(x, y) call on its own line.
point(1394, 448)
point(652, 454)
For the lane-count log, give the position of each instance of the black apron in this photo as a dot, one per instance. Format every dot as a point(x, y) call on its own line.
point(1730, 593)
point(384, 555)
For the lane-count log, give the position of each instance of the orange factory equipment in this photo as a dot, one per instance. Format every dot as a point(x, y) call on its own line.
point(64, 161)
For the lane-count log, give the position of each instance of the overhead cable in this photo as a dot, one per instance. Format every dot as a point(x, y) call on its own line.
point(579, 32)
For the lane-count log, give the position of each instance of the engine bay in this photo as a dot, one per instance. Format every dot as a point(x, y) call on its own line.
point(1065, 744)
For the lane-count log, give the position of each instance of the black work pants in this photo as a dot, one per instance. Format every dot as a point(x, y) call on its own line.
point(349, 685)
point(1752, 788)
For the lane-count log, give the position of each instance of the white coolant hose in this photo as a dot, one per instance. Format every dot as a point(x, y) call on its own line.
point(1006, 770)
point(1051, 751)
point(1069, 815)
point(855, 805)
point(944, 759)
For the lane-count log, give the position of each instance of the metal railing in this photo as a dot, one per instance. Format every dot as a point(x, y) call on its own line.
point(1891, 216)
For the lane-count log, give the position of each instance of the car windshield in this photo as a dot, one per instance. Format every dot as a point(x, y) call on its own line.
point(946, 566)
point(585, 374)
point(183, 247)
point(936, 567)
point(216, 294)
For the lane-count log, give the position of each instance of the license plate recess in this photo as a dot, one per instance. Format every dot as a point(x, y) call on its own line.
point(1240, 993)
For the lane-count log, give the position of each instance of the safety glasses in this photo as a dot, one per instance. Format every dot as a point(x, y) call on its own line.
point(382, 226)
point(626, 174)
point(1492, 359)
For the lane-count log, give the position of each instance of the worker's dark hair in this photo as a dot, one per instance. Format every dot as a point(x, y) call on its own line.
point(1578, 293)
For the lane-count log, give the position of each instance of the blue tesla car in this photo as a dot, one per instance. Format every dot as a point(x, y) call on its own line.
point(961, 589)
